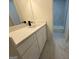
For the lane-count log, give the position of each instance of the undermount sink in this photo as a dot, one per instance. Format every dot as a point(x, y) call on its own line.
point(20, 26)
point(16, 27)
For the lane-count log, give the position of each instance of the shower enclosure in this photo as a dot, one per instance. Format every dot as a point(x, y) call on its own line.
point(60, 15)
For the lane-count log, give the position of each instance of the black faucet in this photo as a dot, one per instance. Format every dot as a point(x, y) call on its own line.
point(29, 23)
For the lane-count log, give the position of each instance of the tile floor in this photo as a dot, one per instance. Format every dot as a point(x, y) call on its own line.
point(57, 48)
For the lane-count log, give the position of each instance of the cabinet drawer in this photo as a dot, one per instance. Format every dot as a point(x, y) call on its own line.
point(25, 45)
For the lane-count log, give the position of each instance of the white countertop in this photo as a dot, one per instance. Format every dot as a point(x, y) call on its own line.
point(21, 34)
point(16, 27)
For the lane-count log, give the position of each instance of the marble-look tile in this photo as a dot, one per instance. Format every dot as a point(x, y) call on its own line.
point(48, 51)
point(57, 48)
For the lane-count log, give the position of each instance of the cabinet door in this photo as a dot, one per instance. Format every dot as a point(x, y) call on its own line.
point(44, 34)
point(32, 52)
point(25, 45)
point(41, 37)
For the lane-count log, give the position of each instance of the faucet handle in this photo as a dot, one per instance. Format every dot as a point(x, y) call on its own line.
point(23, 21)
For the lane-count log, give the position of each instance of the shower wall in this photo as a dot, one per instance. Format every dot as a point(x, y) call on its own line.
point(59, 14)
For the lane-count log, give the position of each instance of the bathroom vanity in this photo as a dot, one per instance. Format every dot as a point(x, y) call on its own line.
point(29, 41)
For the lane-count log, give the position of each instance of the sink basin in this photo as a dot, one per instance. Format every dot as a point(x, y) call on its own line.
point(16, 27)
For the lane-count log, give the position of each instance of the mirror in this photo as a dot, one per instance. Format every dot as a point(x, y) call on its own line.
point(19, 11)
point(13, 15)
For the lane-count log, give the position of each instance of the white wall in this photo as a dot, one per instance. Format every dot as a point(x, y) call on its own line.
point(43, 11)
point(24, 9)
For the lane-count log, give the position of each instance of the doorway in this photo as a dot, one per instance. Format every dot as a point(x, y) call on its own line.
point(60, 34)
point(60, 15)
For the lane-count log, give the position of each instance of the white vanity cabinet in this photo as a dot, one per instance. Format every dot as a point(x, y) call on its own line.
point(32, 52)
point(29, 48)
point(32, 45)
point(41, 37)
point(25, 45)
